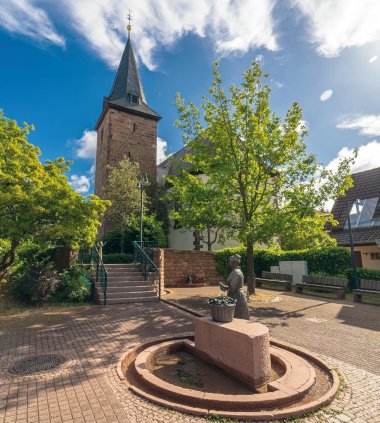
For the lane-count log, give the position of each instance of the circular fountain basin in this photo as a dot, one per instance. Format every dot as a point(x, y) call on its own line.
point(299, 383)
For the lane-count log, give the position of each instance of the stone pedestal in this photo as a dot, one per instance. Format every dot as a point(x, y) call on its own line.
point(241, 347)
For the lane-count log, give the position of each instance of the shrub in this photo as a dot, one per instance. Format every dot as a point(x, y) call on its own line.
point(34, 284)
point(332, 261)
point(33, 279)
point(118, 258)
point(117, 241)
point(74, 286)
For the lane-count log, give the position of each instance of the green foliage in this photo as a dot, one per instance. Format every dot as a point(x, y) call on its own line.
point(221, 300)
point(364, 273)
point(34, 279)
point(123, 192)
point(36, 201)
point(74, 286)
point(307, 232)
point(196, 205)
point(118, 240)
point(257, 164)
point(332, 261)
point(118, 258)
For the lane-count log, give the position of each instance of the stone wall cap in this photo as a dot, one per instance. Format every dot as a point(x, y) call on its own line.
point(247, 327)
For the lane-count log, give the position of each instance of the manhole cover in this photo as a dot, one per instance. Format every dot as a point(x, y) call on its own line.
point(37, 364)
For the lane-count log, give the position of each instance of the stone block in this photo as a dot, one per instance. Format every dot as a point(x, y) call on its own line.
point(240, 347)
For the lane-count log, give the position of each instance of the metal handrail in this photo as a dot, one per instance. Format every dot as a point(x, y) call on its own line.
point(101, 272)
point(142, 251)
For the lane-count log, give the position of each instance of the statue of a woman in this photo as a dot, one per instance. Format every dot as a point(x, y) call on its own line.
point(234, 288)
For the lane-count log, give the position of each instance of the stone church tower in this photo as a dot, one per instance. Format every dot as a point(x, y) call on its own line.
point(127, 126)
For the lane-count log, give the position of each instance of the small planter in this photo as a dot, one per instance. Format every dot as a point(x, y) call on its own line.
point(222, 309)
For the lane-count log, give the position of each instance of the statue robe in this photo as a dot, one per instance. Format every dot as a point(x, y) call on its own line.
point(235, 284)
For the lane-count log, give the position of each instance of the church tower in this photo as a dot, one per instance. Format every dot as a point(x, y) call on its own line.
point(127, 126)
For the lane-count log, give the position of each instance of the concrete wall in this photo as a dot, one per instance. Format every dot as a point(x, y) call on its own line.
point(176, 265)
point(183, 239)
point(366, 256)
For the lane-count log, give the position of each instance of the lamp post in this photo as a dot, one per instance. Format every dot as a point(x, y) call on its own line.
point(353, 257)
point(143, 182)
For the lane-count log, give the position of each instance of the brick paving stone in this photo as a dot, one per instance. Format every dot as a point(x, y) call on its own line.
point(88, 388)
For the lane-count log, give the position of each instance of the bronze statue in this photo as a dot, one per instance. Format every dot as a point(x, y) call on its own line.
point(234, 288)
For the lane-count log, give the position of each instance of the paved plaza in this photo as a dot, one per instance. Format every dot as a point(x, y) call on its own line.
point(87, 388)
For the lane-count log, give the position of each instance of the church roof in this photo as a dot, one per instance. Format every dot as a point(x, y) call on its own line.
point(127, 92)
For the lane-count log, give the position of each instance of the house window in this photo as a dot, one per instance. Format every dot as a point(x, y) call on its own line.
point(375, 256)
point(134, 127)
point(362, 212)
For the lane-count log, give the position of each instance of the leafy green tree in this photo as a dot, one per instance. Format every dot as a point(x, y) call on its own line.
point(123, 192)
point(36, 201)
point(305, 233)
point(257, 163)
point(196, 206)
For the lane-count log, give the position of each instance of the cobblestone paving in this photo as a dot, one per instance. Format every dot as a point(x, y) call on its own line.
point(87, 388)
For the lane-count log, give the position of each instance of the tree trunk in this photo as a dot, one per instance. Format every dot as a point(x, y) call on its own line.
point(122, 241)
point(251, 282)
point(209, 243)
point(8, 258)
point(197, 241)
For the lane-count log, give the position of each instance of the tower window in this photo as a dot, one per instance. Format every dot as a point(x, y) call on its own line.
point(134, 127)
point(133, 98)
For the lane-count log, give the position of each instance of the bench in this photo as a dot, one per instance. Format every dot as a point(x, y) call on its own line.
point(323, 283)
point(368, 287)
point(282, 279)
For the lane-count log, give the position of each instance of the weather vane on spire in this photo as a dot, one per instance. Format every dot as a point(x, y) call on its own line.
point(129, 27)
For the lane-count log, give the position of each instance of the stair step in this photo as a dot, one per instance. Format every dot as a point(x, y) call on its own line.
point(122, 266)
point(126, 277)
point(128, 283)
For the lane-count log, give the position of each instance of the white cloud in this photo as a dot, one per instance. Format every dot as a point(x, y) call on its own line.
point(338, 24)
point(368, 157)
point(372, 59)
point(232, 26)
point(302, 125)
point(86, 145)
point(366, 124)
point(92, 170)
point(80, 183)
point(326, 95)
point(162, 146)
point(259, 59)
point(22, 17)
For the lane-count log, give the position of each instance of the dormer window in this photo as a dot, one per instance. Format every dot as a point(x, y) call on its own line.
point(362, 213)
point(133, 98)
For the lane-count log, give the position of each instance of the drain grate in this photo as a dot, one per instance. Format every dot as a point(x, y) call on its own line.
point(38, 363)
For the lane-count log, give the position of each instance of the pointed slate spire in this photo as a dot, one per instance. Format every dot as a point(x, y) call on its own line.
point(127, 91)
point(127, 80)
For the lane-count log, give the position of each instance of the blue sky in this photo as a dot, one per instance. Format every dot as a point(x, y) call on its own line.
point(58, 61)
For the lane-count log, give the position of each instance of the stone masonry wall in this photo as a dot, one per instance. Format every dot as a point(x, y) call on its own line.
point(134, 137)
point(124, 135)
point(176, 265)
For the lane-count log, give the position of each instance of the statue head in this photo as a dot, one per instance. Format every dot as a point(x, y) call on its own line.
point(234, 261)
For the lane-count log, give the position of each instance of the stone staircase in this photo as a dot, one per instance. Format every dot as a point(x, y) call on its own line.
point(126, 284)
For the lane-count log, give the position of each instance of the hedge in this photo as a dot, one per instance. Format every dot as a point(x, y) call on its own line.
point(110, 258)
point(331, 261)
